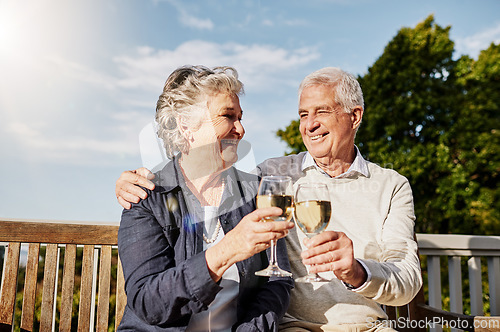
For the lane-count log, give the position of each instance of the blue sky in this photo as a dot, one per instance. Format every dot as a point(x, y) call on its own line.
point(79, 80)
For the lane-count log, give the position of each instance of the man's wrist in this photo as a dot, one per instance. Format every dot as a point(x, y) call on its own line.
point(363, 276)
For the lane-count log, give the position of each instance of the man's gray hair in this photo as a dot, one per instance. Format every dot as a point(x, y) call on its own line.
point(345, 87)
point(184, 98)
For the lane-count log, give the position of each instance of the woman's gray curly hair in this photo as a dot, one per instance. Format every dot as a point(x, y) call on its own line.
point(184, 99)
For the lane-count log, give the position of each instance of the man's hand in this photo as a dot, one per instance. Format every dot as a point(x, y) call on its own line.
point(127, 188)
point(333, 251)
point(248, 238)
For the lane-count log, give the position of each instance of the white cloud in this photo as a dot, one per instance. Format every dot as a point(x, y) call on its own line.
point(266, 70)
point(260, 66)
point(188, 19)
point(268, 23)
point(82, 73)
point(295, 22)
point(49, 142)
point(280, 21)
point(472, 45)
point(87, 115)
point(195, 22)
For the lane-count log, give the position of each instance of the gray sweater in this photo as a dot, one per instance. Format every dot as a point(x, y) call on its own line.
point(376, 213)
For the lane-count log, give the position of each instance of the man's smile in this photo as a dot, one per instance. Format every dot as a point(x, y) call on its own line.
point(316, 137)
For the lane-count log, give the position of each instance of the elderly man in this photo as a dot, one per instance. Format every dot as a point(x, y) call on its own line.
point(368, 250)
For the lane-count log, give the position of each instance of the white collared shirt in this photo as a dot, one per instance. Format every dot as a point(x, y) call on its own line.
point(358, 166)
point(221, 313)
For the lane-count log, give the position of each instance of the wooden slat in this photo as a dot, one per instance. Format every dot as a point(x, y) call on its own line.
point(104, 285)
point(434, 273)
point(49, 287)
point(95, 268)
point(9, 283)
point(30, 287)
point(45, 232)
point(68, 285)
point(475, 286)
point(494, 284)
point(56, 283)
point(455, 279)
point(86, 289)
point(121, 297)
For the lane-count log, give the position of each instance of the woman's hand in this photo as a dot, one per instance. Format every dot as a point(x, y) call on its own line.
point(248, 238)
point(127, 188)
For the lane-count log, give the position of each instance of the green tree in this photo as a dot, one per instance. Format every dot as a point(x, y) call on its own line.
point(411, 96)
point(435, 120)
point(291, 135)
point(474, 139)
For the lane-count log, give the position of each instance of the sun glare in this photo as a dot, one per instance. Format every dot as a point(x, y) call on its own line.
point(9, 23)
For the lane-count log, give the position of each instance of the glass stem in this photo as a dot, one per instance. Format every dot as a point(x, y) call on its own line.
point(273, 254)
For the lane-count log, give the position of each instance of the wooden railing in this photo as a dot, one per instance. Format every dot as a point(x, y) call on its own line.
point(455, 251)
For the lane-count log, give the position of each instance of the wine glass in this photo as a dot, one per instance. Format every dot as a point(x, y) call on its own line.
point(275, 191)
point(312, 214)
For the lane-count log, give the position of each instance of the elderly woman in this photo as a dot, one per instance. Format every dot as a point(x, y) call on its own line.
point(191, 249)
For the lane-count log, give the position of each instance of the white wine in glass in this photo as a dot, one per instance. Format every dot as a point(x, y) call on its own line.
point(313, 210)
point(275, 191)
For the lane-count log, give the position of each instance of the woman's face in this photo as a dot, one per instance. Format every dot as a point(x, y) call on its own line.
point(221, 130)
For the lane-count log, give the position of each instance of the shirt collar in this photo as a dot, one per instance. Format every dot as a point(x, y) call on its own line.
point(170, 178)
point(358, 166)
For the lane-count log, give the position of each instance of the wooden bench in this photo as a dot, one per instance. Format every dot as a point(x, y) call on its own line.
point(98, 243)
point(60, 241)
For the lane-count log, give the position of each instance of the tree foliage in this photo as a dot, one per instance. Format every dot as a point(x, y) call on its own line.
point(436, 121)
point(291, 136)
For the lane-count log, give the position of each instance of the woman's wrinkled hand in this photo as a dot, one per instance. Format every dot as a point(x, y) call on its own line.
point(248, 238)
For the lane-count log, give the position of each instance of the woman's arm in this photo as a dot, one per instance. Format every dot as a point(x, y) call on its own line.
point(159, 291)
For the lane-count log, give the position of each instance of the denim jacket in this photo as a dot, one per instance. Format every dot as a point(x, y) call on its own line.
point(166, 276)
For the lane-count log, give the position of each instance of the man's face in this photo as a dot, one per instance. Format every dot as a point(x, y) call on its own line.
point(327, 131)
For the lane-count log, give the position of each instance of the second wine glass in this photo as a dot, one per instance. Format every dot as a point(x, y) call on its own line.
point(312, 214)
point(275, 191)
